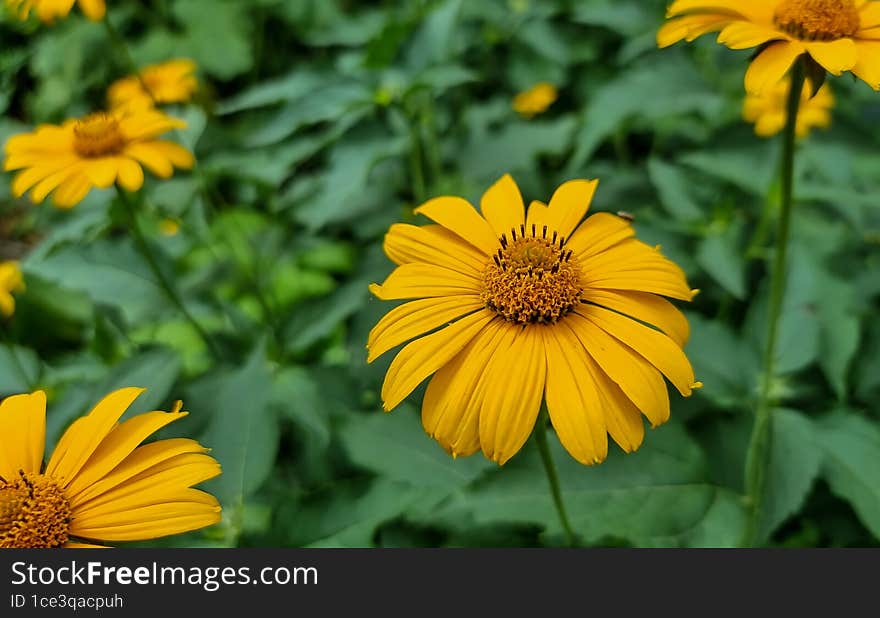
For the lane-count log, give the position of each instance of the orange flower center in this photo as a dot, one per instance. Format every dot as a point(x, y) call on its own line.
point(532, 279)
point(818, 20)
point(34, 512)
point(97, 135)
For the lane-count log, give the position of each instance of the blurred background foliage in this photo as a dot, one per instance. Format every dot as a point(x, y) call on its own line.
point(321, 122)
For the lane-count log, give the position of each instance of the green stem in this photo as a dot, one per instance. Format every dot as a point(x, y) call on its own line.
point(118, 41)
point(429, 124)
point(416, 164)
point(552, 477)
point(759, 446)
point(167, 286)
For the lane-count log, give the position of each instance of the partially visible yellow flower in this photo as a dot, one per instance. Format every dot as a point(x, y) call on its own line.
point(10, 281)
point(840, 35)
point(169, 227)
point(49, 10)
point(510, 308)
point(535, 100)
point(99, 484)
point(768, 110)
point(94, 151)
point(169, 82)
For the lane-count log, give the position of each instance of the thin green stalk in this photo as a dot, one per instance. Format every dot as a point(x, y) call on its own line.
point(122, 47)
point(416, 165)
point(759, 445)
point(167, 286)
point(552, 477)
point(432, 149)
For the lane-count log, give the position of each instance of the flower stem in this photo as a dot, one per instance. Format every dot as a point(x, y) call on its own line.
point(121, 46)
point(757, 457)
point(552, 477)
point(167, 286)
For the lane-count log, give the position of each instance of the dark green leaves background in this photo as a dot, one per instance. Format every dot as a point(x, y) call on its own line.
point(320, 123)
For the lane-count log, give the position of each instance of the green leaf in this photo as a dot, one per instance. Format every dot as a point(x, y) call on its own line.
point(110, 272)
point(296, 395)
point(348, 514)
point(20, 370)
point(793, 465)
point(720, 255)
point(243, 435)
point(674, 189)
point(850, 446)
point(840, 331)
point(658, 496)
point(396, 447)
point(726, 364)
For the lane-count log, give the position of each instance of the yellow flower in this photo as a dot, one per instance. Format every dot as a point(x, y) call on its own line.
point(49, 10)
point(516, 308)
point(535, 100)
point(168, 82)
point(840, 35)
point(169, 227)
point(94, 151)
point(768, 111)
point(99, 485)
point(10, 281)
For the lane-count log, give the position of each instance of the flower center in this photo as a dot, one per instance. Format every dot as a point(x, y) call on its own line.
point(97, 135)
point(818, 20)
point(34, 512)
point(532, 279)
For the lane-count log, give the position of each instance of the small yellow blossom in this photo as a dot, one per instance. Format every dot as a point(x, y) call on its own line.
point(535, 100)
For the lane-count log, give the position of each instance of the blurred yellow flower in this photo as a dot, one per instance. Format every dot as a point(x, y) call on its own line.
point(840, 35)
point(535, 100)
point(768, 110)
point(169, 227)
point(49, 10)
point(99, 485)
point(515, 309)
point(10, 281)
point(94, 151)
point(169, 82)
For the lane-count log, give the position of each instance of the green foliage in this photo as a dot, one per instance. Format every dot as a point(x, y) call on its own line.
point(318, 124)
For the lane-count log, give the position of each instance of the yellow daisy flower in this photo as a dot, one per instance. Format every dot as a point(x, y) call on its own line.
point(535, 100)
point(49, 10)
point(169, 82)
point(99, 485)
point(94, 151)
point(10, 281)
point(840, 35)
point(514, 309)
point(768, 111)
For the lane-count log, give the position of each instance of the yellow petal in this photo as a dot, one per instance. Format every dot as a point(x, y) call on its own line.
point(72, 191)
point(426, 355)
point(598, 233)
point(86, 433)
point(457, 215)
point(502, 206)
point(771, 65)
point(417, 318)
point(569, 204)
point(118, 445)
point(144, 458)
point(637, 378)
point(131, 175)
point(513, 392)
point(23, 427)
point(435, 245)
point(451, 408)
point(652, 345)
point(573, 400)
point(93, 9)
point(425, 281)
point(647, 308)
point(625, 424)
point(836, 56)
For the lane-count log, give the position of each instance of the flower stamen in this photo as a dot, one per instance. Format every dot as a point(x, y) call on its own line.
point(818, 20)
point(98, 135)
point(34, 512)
point(531, 279)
